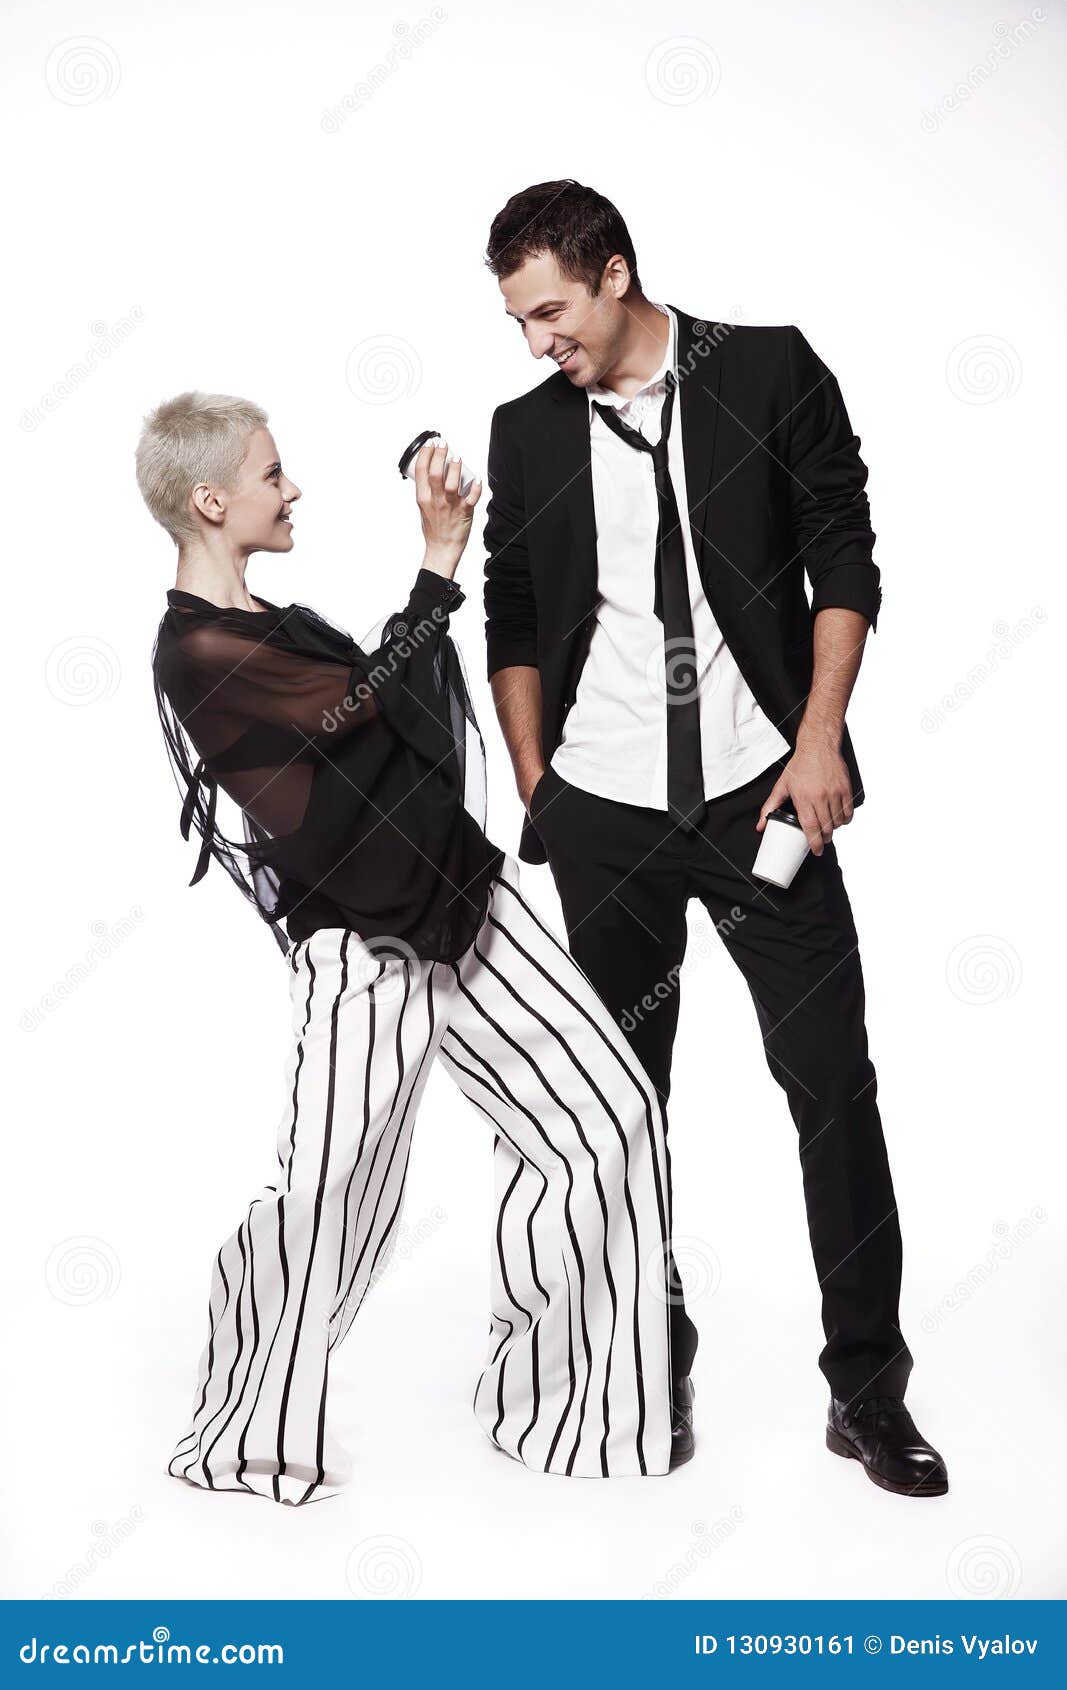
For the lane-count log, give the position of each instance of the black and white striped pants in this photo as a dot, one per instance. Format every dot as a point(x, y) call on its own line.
point(577, 1376)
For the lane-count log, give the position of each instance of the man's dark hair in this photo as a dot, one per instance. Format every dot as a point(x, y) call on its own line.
point(578, 226)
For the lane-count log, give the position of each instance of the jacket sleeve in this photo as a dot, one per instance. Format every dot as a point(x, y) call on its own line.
point(510, 607)
point(830, 514)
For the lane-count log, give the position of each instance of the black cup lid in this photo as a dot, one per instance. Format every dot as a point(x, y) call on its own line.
point(784, 813)
point(409, 451)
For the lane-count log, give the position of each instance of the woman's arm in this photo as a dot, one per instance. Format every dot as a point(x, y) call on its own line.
point(237, 674)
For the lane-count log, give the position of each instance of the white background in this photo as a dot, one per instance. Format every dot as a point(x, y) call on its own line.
point(203, 197)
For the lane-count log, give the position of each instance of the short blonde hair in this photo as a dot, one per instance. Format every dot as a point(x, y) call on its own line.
point(193, 438)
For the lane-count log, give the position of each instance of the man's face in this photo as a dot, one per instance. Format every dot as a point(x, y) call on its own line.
point(582, 332)
point(257, 510)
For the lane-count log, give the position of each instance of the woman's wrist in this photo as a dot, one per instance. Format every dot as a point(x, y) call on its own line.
point(442, 560)
point(434, 595)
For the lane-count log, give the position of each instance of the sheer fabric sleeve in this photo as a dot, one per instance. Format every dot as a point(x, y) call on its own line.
point(231, 673)
point(234, 674)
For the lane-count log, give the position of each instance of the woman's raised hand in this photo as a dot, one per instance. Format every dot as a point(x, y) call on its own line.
point(446, 514)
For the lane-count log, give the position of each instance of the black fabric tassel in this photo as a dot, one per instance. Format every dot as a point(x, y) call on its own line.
point(199, 774)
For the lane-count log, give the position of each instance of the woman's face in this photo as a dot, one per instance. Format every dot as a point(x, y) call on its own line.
point(258, 509)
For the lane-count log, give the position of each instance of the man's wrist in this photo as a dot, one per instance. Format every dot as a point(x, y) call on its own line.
point(820, 735)
point(528, 776)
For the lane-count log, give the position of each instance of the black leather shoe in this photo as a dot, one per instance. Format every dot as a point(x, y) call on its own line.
point(682, 1443)
point(883, 1436)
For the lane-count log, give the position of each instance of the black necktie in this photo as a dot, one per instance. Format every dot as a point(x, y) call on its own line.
point(685, 775)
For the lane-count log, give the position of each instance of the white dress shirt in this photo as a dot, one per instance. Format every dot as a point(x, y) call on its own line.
point(615, 735)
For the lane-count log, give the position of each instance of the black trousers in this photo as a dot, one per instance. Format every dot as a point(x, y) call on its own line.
point(625, 876)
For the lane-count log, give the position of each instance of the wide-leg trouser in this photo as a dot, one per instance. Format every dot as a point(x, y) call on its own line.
point(577, 1375)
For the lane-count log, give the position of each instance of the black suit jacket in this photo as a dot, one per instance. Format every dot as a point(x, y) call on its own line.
point(776, 489)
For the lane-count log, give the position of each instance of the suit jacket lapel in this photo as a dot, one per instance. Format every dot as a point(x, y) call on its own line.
point(699, 370)
point(570, 490)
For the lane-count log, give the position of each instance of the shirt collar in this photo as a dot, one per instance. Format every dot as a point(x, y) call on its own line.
point(655, 386)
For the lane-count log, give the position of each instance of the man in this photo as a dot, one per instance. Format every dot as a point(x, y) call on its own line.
point(408, 940)
point(663, 684)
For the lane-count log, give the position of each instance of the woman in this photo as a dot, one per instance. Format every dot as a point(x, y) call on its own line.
point(358, 774)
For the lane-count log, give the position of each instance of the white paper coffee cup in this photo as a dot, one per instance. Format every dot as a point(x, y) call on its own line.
point(783, 847)
point(410, 453)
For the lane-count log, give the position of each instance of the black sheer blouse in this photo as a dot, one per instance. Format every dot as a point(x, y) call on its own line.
point(359, 774)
